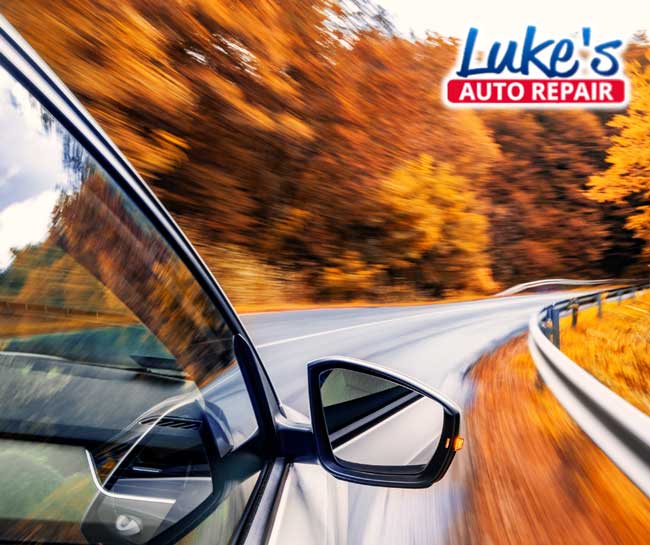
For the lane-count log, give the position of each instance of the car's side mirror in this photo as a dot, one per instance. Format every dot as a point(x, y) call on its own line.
point(373, 426)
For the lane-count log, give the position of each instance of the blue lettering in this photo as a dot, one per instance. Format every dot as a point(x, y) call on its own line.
point(529, 55)
point(465, 70)
point(562, 52)
point(613, 61)
point(561, 61)
point(508, 60)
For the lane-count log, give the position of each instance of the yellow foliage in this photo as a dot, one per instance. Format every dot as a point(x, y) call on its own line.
point(628, 176)
point(349, 276)
point(432, 217)
point(616, 348)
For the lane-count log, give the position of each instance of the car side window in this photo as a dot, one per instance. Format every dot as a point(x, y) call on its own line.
point(123, 411)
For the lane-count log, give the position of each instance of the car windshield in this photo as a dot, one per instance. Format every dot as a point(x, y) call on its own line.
point(122, 404)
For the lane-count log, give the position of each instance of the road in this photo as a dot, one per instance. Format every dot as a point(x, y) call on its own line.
point(432, 343)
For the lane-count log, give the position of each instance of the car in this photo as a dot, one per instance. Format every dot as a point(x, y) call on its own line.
point(134, 406)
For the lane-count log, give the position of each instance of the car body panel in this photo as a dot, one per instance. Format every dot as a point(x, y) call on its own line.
point(25, 65)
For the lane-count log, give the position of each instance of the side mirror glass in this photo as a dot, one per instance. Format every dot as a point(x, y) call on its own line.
point(376, 427)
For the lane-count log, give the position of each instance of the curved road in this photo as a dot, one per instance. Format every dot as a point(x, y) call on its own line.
point(430, 342)
point(434, 343)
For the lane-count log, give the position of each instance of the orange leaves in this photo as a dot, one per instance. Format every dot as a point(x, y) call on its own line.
point(542, 222)
point(296, 131)
point(432, 223)
point(533, 476)
point(627, 179)
point(117, 61)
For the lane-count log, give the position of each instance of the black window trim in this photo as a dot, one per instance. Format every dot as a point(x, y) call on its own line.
point(24, 64)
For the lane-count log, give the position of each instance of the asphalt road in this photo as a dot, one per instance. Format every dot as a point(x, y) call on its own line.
point(433, 343)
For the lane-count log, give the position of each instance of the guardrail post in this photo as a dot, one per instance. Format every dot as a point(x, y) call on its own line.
point(555, 319)
point(575, 307)
point(545, 324)
point(599, 302)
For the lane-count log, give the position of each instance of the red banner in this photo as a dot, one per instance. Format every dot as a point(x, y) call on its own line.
point(536, 91)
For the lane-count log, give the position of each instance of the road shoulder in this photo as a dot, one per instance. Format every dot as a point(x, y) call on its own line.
point(531, 475)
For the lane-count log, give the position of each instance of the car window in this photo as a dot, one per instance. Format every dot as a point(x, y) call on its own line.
point(122, 408)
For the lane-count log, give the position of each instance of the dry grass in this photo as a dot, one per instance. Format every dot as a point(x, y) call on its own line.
point(616, 348)
point(359, 303)
point(534, 477)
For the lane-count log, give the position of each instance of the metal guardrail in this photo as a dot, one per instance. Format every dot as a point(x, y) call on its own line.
point(550, 321)
point(619, 429)
point(557, 282)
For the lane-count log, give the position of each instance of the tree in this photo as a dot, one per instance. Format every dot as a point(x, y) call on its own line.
point(278, 133)
point(435, 232)
point(627, 179)
point(542, 224)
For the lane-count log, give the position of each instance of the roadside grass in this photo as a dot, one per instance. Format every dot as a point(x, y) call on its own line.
point(533, 477)
point(614, 348)
point(410, 301)
point(391, 300)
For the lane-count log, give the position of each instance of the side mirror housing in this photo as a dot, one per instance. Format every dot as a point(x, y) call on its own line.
point(376, 427)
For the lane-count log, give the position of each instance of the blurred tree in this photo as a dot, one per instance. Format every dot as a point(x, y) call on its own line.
point(118, 63)
point(627, 179)
point(203, 96)
point(435, 233)
point(285, 133)
point(541, 222)
point(381, 111)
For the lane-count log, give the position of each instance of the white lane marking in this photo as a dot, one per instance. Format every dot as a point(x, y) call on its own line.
point(464, 308)
point(338, 330)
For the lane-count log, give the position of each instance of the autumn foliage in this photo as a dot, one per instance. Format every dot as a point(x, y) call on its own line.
point(532, 476)
point(626, 181)
point(304, 148)
point(614, 348)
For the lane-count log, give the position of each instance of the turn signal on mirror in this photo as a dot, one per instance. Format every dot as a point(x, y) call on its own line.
point(458, 443)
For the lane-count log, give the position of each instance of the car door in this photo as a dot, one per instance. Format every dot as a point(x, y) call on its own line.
point(134, 407)
point(128, 383)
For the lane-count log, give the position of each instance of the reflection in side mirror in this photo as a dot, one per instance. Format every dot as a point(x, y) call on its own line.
point(376, 427)
point(368, 417)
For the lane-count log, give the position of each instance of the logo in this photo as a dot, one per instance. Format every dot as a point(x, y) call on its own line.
point(539, 73)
